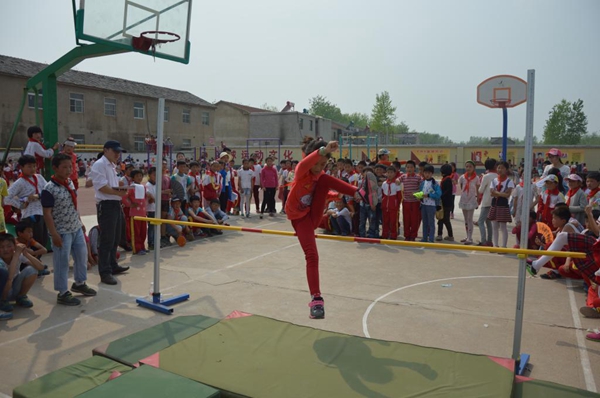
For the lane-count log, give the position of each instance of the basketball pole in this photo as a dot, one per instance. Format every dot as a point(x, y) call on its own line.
point(521, 359)
point(504, 131)
point(155, 303)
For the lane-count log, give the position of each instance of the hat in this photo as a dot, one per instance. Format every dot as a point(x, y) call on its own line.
point(175, 199)
point(223, 154)
point(383, 151)
point(70, 142)
point(114, 145)
point(554, 152)
point(574, 177)
point(549, 177)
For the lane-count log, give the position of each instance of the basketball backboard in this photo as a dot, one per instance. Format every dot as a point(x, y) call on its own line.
point(502, 91)
point(117, 22)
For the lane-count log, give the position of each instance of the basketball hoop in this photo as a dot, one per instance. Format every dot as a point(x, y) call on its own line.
point(148, 40)
point(500, 102)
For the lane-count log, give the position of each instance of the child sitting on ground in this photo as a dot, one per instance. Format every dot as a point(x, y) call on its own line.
point(16, 283)
point(340, 219)
point(198, 214)
point(219, 215)
point(175, 213)
point(24, 232)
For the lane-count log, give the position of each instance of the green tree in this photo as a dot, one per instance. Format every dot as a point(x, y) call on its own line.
point(426, 138)
point(401, 128)
point(383, 114)
point(567, 123)
point(321, 106)
point(474, 140)
point(358, 119)
point(591, 139)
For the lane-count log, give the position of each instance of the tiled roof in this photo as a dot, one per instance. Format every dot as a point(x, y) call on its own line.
point(245, 108)
point(24, 68)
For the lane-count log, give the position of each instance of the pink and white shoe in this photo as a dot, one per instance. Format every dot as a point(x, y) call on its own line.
point(317, 308)
point(593, 337)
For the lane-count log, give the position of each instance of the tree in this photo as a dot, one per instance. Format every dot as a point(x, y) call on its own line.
point(383, 114)
point(567, 123)
point(320, 106)
point(401, 128)
point(591, 139)
point(426, 138)
point(359, 120)
point(473, 140)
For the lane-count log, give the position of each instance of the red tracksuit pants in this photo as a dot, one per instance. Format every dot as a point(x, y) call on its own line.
point(411, 213)
point(140, 232)
point(390, 207)
point(305, 227)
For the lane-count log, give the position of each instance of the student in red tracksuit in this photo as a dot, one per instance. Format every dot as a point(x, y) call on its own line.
point(137, 208)
point(305, 206)
point(411, 207)
point(212, 184)
point(390, 204)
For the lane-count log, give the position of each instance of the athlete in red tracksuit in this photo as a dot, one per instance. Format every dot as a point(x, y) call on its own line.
point(390, 204)
point(305, 205)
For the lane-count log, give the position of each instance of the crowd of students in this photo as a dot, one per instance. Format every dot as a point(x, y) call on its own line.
point(388, 200)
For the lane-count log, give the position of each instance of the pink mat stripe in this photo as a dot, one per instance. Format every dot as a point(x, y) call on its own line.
point(237, 314)
point(508, 363)
point(153, 360)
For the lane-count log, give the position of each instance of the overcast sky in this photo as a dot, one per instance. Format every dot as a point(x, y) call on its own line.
point(429, 55)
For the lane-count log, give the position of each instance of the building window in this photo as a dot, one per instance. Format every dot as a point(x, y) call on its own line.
point(166, 114)
point(205, 118)
point(310, 124)
point(301, 124)
point(31, 100)
point(79, 138)
point(138, 110)
point(76, 102)
point(186, 143)
point(110, 107)
point(186, 116)
point(139, 143)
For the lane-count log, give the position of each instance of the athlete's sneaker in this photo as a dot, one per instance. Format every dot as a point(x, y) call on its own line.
point(5, 315)
point(593, 337)
point(23, 301)
point(317, 308)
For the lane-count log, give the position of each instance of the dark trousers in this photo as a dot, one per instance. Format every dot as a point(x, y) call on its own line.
point(224, 198)
point(40, 233)
point(255, 192)
point(110, 224)
point(269, 200)
point(445, 221)
point(151, 214)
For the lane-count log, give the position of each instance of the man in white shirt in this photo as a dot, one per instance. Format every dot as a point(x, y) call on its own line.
point(110, 214)
point(484, 224)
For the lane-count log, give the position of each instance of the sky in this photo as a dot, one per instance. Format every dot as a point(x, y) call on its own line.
point(430, 55)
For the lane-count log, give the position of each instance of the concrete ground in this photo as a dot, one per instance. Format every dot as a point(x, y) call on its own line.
point(385, 292)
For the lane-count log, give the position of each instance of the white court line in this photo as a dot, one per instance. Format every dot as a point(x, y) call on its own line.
point(588, 375)
point(378, 299)
point(584, 359)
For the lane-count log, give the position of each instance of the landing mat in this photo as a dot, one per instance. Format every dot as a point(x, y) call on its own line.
point(260, 357)
point(539, 388)
point(130, 349)
point(71, 380)
point(149, 382)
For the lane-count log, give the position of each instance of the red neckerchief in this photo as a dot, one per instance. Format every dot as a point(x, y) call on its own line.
point(500, 181)
point(34, 182)
point(469, 179)
point(570, 194)
point(593, 193)
point(194, 175)
point(547, 210)
point(65, 184)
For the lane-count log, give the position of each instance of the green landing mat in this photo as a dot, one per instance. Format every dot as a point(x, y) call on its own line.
point(260, 357)
point(72, 380)
point(149, 382)
point(130, 349)
point(546, 389)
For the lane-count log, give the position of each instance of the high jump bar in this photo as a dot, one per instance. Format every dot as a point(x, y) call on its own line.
point(518, 252)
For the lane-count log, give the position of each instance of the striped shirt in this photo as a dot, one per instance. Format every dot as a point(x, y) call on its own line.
point(411, 185)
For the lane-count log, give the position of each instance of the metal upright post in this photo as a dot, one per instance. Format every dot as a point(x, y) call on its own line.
point(521, 360)
point(504, 132)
